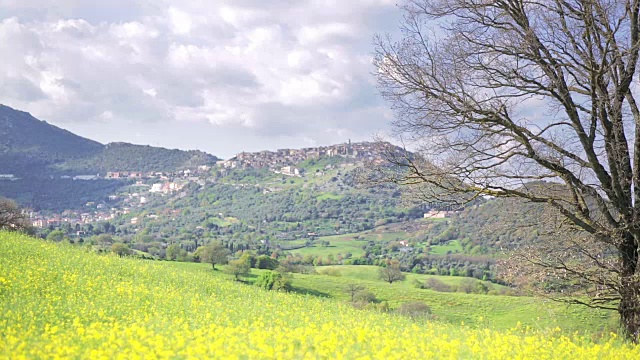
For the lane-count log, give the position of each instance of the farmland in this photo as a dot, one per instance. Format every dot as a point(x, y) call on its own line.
point(59, 301)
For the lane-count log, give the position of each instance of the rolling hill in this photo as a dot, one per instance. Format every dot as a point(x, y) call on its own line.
point(253, 206)
point(33, 148)
point(41, 157)
point(29, 146)
point(92, 306)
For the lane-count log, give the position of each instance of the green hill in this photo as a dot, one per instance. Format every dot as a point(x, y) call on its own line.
point(61, 302)
point(276, 211)
point(28, 145)
point(142, 158)
point(38, 154)
point(31, 147)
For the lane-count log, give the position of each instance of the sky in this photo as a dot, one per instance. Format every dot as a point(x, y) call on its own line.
point(222, 76)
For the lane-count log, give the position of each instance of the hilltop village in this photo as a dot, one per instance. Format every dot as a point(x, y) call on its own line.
point(146, 185)
point(363, 151)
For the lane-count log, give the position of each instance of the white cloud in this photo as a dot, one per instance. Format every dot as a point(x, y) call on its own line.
point(276, 71)
point(106, 116)
point(151, 92)
point(325, 33)
point(180, 21)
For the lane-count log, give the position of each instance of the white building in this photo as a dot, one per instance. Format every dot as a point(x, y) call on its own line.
point(156, 188)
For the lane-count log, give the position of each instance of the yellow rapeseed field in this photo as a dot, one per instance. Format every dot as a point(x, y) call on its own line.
point(60, 302)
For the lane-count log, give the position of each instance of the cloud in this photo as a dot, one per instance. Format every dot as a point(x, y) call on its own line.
point(273, 72)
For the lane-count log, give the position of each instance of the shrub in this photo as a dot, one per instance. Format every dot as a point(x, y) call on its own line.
point(330, 272)
point(305, 269)
point(184, 256)
point(381, 307)
point(273, 281)
point(249, 258)
point(468, 286)
point(414, 309)
point(238, 268)
point(291, 268)
point(120, 249)
point(366, 297)
point(265, 262)
point(437, 285)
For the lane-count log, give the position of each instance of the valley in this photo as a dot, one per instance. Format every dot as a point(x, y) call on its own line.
point(304, 207)
point(303, 220)
point(372, 179)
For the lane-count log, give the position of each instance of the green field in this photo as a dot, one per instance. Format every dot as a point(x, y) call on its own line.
point(452, 247)
point(370, 273)
point(58, 301)
point(353, 243)
point(496, 311)
point(228, 221)
point(500, 312)
point(339, 244)
point(347, 243)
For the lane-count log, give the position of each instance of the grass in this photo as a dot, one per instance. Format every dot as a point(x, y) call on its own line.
point(453, 247)
point(329, 196)
point(495, 311)
point(347, 243)
point(58, 301)
point(370, 273)
point(353, 243)
point(228, 221)
point(339, 244)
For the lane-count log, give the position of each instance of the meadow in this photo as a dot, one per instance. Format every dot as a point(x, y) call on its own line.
point(497, 312)
point(347, 243)
point(58, 301)
point(353, 243)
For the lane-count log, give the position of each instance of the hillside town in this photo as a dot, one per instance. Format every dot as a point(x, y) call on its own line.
point(361, 151)
point(147, 185)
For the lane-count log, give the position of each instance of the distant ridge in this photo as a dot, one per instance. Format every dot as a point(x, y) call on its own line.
point(32, 147)
point(28, 145)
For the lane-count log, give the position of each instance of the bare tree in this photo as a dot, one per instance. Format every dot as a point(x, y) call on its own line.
point(529, 99)
point(353, 290)
point(11, 216)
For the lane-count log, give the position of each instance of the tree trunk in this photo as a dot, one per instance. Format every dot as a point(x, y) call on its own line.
point(629, 307)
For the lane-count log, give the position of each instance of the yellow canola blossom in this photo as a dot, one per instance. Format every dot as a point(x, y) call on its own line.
point(57, 302)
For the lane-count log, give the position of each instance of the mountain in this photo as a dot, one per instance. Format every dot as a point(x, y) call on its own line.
point(31, 147)
point(320, 207)
point(143, 158)
point(28, 145)
point(247, 206)
point(38, 161)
